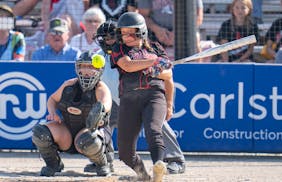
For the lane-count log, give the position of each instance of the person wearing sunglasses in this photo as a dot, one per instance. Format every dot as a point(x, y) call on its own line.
point(57, 47)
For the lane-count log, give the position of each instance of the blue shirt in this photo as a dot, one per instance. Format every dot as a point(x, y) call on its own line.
point(68, 53)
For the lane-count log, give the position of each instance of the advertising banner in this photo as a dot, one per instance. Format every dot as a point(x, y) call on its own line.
point(218, 107)
point(24, 90)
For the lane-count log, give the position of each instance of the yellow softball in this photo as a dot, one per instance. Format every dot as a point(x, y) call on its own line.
point(98, 61)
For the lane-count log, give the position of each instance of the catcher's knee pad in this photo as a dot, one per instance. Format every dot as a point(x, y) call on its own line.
point(92, 146)
point(42, 136)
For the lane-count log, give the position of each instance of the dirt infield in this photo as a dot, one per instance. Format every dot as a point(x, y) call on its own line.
point(24, 166)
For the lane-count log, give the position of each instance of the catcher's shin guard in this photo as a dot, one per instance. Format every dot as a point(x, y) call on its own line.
point(44, 142)
point(110, 155)
point(110, 158)
point(92, 146)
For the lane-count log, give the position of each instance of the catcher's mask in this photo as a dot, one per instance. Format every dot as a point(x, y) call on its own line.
point(105, 32)
point(87, 74)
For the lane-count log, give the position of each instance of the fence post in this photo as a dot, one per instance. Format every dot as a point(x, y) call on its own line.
point(184, 28)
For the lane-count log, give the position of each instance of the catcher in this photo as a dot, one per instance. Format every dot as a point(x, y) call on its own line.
point(84, 104)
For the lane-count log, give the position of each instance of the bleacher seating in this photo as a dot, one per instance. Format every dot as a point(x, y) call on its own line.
point(217, 11)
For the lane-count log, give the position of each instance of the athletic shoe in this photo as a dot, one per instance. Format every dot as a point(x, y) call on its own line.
point(103, 170)
point(92, 168)
point(175, 167)
point(159, 170)
point(50, 171)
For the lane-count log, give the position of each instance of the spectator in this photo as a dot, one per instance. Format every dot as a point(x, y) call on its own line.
point(113, 9)
point(57, 48)
point(12, 44)
point(54, 8)
point(91, 19)
point(85, 104)
point(159, 19)
point(257, 11)
point(23, 7)
point(272, 41)
point(146, 94)
point(238, 26)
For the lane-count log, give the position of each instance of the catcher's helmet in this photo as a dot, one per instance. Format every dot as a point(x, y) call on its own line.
point(106, 31)
point(133, 20)
point(89, 81)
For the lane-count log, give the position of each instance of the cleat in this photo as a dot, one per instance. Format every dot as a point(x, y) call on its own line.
point(142, 174)
point(159, 170)
point(176, 167)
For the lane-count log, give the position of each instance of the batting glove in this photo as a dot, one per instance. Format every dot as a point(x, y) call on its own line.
point(152, 71)
point(163, 63)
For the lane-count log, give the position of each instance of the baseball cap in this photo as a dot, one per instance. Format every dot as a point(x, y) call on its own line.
point(58, 24)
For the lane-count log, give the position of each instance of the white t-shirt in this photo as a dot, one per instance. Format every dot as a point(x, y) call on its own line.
point(79, 41)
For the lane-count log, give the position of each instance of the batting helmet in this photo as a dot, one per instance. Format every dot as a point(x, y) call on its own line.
point(133, 20)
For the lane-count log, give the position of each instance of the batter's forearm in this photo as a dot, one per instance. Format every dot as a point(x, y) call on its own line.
point(169, 92)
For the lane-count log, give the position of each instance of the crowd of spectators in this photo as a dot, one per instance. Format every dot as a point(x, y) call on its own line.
point(159, 19)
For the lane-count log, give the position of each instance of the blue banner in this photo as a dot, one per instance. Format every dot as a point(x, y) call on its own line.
point(218, 107)
point(24, 90)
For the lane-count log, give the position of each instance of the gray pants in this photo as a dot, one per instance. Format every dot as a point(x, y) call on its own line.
point(172, 150)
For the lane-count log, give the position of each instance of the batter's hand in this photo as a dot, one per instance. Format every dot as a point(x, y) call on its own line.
point(53, 117)
point(152, 71)
point(163, 63)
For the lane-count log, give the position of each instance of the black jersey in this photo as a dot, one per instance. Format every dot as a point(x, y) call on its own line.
point(113, 9)
point(231, 32)
point(134, 80)
point(75, 106)
point(275, 33)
